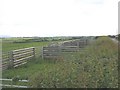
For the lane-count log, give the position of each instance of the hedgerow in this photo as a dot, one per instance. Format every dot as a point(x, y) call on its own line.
point(94, 67)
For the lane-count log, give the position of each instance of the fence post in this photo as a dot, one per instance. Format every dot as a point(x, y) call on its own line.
point(11, 61)
point(33, 52)
point(42, 51)
point(86, 42)
point(60, 52)
point(78, 45)
point(60, 49)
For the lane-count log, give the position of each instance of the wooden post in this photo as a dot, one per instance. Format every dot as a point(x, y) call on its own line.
point(33, 52)
point(42, 52)
point(11, 60)
point(86, 42)
point(78, 45)
point(61, 49)
point(60, 52)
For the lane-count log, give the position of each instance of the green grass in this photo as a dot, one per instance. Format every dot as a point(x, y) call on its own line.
point(28, 69)
point(8, 46)
point(96, 67)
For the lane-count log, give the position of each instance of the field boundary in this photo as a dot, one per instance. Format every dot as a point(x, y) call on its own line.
point(11, 85)
point(68, 46)
point(17, 58)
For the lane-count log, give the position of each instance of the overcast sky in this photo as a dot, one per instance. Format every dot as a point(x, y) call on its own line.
point(58, 17)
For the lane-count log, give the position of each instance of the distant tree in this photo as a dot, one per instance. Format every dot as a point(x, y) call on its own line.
point(96, 37)
point(111, 36)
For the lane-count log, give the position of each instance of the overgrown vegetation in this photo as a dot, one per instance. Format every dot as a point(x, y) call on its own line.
point(94, 67)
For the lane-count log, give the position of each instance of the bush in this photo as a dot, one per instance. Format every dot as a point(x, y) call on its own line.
point(97, 67)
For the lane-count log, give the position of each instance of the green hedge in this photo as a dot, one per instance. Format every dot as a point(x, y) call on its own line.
point(97, 67)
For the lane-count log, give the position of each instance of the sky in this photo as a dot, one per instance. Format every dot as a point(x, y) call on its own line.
point(28, 18)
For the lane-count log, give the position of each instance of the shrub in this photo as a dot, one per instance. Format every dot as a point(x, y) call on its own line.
point(97, 67)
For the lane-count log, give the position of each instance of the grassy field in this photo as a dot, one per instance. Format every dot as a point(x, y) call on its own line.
point(8, 46)
point(94, 67)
